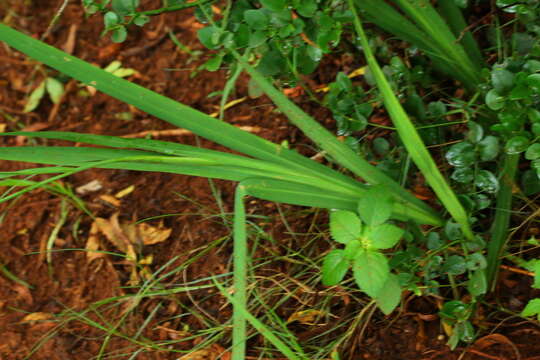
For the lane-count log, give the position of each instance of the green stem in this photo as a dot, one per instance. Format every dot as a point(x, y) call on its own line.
point(173, 8)
point(499, 231)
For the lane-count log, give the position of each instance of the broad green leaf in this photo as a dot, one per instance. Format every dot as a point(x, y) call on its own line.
point(35, 98)
point(533, 152)
point(334, 268)
point(533, 81)
point(476, 261)
point(375, 207)
point(371, 271)
point(461, 154)
point(502, 80)
point(55, 89)
point(532, 309)
point(516, 145)
point(256, 19)
point(124, 7)
point(352, 248)
point(486, 181)
point(455, 265)
point(488, 148)
point(345, 226)
point(494, 100)
point(384, 236)
point(209, 36)
point(274, 5)
point(536, 270)
point(390, 296)
point(119, 34)
point(110, 19)
point(477, 284)
point(475, 133)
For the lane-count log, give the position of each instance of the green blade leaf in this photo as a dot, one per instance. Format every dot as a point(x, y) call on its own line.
point(375, 207)
point(390, 296)
point(385, 236)
point(411, 139)
point(371, 271)
point(335, 266)
point(345, 226)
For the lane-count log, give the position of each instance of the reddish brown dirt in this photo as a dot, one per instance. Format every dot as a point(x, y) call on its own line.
point(76, 283)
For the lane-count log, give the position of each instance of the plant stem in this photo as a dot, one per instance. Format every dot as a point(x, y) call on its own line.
point(499, 230)
point(174, 8)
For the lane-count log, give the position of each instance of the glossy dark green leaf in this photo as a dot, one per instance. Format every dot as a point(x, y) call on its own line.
point(477, 284)
point(486, 181)
point(256, 19)
point(274, 5)
point(381, 146)
point(533, 152)
point(488, 148)
point(209, 36)
point(530, 183)
point(455, 265)
point(463, 175)
point(494, 101)
point(272, 63)
point(306, 8)
point(502, 80)
point(476, 261)
point(371, 271)
point(434, 241)
point(461, 154)
point(334, 268)
point(516, 145)
point(533, 81)
point(475, 133)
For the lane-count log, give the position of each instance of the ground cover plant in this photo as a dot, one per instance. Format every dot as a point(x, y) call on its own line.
point(393, 242)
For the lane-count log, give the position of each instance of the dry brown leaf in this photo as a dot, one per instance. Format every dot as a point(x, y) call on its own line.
point(110, 199)
point(38, 316)
point(92, 186)
point(213, 352)
point(151, 235)
point(115, 234)
point(92, 244)
point(306, 317)
point(69, 45)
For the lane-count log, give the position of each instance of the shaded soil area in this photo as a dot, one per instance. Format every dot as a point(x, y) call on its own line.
point(58, 306)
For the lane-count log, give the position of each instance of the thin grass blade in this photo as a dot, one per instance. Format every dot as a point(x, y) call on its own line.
point(410, 137)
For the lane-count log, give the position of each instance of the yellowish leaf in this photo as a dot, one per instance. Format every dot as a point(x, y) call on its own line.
point(306, 317)
point(151, 235)
point(125, 192)
point(38, 316)
point(92, 244)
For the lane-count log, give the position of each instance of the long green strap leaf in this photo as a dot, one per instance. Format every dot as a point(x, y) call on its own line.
point(343, 154)
point(410, 137)
point(168, 109)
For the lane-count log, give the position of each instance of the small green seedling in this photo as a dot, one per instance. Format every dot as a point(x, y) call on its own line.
point(364, 237)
